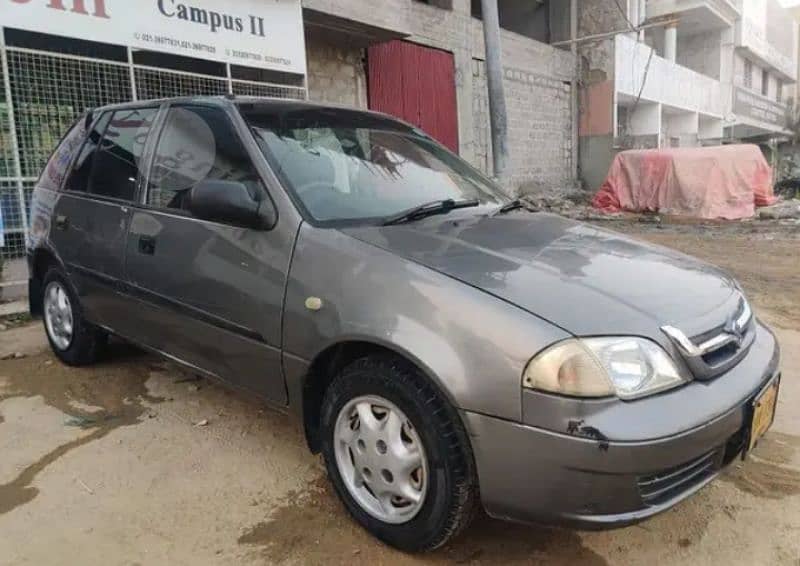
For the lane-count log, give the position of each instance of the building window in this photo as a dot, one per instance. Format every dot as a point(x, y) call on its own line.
point(748, 73)
point(765, 83)
point(528, 18)
point(779, 91)
point(443, 4)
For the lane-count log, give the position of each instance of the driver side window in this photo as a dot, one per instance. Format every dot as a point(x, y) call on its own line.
point(197, 143)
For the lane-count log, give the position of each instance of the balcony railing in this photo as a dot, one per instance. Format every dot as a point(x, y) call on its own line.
point(664, 81)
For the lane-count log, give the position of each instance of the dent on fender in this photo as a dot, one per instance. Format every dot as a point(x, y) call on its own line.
point(580, 429)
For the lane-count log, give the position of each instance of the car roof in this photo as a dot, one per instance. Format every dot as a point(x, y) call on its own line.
point(278, 105)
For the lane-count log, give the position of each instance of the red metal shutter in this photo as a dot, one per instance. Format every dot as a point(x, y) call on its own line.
point(416, 84)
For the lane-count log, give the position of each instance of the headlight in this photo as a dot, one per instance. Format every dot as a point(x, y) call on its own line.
point(627, 367)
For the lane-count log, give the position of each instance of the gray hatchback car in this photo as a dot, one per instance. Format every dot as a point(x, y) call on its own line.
point(442, 347)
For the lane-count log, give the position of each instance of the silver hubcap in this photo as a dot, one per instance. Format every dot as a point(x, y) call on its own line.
point(381, 459)
point(58, 315)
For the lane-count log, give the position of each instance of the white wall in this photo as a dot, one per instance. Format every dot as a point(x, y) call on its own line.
point(770, 32)
point(701, 52)
point(645, 120)
point(666, 82)
point(772, 87)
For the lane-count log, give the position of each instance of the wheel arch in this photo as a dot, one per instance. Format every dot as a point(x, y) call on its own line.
point(41, 260)
point(330, 360)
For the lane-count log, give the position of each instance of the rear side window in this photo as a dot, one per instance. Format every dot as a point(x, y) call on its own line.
point(117, 161)
point(78, 179)
point(197, 143)
point(56, 169)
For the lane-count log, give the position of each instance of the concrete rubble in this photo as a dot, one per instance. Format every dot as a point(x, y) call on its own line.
point(782, 210)
point(576, 204)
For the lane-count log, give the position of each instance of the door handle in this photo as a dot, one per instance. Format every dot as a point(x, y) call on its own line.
point(62, 222)
point(147, 245)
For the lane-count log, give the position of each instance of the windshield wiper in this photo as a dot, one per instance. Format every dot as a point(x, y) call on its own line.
point(429, 209)
point(508, 207)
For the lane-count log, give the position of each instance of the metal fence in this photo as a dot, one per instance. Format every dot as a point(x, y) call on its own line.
point(42, 93)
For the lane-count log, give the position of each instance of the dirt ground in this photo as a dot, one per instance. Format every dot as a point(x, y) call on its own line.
point(110, 464)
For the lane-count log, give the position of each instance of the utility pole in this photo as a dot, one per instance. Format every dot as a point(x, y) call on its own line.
point(575, 106)
point(498, 119)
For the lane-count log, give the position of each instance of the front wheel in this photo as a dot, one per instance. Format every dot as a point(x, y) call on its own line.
point(397, 454)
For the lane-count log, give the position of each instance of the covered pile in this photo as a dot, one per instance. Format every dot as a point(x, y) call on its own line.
point(727, 182)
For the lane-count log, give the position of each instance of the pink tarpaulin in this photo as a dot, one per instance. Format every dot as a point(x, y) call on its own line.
point(726, 181)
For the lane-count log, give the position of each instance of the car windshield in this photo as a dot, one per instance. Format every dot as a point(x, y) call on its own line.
point(350, 166)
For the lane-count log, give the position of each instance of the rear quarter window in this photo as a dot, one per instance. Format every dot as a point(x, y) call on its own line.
point(78, 178)
point(52, 177)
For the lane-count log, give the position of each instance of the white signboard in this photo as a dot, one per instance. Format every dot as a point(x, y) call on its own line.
point(254, 33)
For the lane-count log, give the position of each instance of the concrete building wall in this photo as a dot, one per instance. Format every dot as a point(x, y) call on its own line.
point(525, 17)
point(738, 69)
point(598, 116)
point(701, 52)
point(600, 16)
point(336, 72)
point(757, 76)
point(598, 113)
point(535, 79)
point(768, 31)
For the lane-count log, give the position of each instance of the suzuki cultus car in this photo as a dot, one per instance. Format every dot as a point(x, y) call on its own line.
point(443, 347)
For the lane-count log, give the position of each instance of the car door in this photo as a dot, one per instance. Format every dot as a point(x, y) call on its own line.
point(210, 293)
point(91, 218)
point(66, 219)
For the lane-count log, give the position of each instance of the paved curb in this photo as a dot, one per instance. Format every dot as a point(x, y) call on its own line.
point(14, 307)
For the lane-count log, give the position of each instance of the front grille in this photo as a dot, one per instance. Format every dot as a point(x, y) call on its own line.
point(667, 484)
point(715, 351)
point(721, 356)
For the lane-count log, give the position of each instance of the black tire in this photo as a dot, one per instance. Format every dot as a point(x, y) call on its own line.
point(451, 496)
point(88, 341)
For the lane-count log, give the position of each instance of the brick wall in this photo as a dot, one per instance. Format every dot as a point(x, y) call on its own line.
point(538, 99)
point(539, 135)
point(600, 16)
point(336, 71)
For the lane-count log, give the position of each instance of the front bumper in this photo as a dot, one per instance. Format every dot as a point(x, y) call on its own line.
point(532, 474)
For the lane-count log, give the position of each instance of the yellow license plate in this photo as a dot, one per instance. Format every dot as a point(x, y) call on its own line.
point(763, 412)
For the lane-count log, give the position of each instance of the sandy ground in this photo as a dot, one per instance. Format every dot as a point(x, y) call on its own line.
point(107, 465)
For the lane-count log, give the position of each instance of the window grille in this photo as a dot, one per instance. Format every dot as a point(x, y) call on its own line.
point(748, 73)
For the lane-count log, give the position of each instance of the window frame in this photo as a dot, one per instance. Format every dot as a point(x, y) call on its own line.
point(71, 169)
point(68, 168)
point(297, 202)
point(747, 74)
point(151, 150)
point(143, 163)
point(101, 112)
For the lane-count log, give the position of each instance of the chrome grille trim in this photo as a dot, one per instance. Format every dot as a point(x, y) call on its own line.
point(690, 349)
point(743, 321)
point(708, 357)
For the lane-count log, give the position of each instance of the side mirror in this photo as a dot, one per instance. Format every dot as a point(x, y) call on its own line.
point(230, 202)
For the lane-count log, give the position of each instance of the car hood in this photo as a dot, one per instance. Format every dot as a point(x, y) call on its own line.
point(584, 279)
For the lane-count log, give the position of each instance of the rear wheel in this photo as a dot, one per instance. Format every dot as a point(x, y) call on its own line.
point(73, 340)
point(397, 454)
